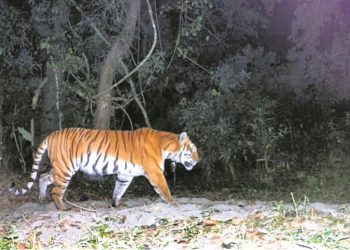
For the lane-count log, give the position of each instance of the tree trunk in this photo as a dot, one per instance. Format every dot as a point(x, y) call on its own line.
point(1, 128)
point(51, 119)
point(112, 65)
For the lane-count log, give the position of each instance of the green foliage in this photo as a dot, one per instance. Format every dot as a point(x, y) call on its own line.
point(233, 122)
point(328, 237)
point(154, 66)
point(244, 126)
point(25, 134)
point(16, 51)
point(245, 117)
point(98, 238)
point(10, 239)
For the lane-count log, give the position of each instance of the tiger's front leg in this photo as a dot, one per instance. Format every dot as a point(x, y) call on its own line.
point(121, 185)
point(158, 181)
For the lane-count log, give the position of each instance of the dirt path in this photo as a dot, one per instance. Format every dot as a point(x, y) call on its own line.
point(195, 223)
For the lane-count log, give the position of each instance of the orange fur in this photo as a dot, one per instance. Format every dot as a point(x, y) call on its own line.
point(101, 152)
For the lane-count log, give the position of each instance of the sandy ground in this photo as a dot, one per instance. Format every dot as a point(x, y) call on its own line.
point(67, 227)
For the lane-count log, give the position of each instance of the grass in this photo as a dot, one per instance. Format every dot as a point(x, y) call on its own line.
point(9, 238)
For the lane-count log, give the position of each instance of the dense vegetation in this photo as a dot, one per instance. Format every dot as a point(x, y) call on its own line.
point(265, 98)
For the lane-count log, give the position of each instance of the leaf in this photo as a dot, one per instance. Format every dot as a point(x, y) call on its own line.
point(25, 134)
point(209, 223)
point(21, 246)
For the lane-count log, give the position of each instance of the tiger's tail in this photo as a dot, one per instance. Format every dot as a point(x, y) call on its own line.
point(35, 169)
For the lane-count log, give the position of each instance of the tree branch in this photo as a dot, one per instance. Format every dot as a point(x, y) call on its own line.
point(142, 62)
point(137, 99)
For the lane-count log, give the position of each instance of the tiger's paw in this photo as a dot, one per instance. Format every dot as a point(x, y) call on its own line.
point(173, 203)
point(118, 204)
point(43, 199)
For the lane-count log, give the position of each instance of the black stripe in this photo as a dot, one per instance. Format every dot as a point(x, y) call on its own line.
point(101, 143)
point(105, 153)
point(115, 163)
point(147, 132)
point(88, 158)
point(63, 179)
point(67, 175)
point(140, 136)
point(93, 139)
point(168, 144)
point(67, 134)
point(104, 169)
point(94, 167)
point(70, 167)
point(88, 151)
point(66, 164)
point(132, 141)
point(60, 141)
point(131, 158)
point(121, 180)
point(72, 147)
point(58, 194)
point(81, 159)
point(123, 138)
point(61, 186)
point(77, 145)
point(105, 139)
point(180, 155)
point(117, 145)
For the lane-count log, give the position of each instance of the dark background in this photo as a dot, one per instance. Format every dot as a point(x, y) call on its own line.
point(261, 86)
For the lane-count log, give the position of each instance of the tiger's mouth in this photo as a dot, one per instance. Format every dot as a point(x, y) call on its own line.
point(189, 164)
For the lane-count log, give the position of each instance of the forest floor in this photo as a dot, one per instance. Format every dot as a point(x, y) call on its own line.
point(148, 223)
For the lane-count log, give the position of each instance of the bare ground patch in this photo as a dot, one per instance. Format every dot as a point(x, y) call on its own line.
point(148, 223)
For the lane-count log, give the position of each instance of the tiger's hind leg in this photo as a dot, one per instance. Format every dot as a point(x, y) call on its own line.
point(57, 196)
point(44, 181)
point(60, 186)
point(121, 185)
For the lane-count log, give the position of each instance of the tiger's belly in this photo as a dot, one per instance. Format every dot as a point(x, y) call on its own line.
point(99, 165)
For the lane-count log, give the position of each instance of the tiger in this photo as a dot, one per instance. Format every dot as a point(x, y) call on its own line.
point(125, 154)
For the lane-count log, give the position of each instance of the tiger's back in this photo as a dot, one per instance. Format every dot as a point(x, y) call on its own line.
point(87, 150)
point(125, 154)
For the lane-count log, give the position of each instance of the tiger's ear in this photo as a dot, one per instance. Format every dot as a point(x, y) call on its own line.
point(183, 137)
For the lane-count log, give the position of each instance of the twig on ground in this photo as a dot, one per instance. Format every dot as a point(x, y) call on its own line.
point(77, 206)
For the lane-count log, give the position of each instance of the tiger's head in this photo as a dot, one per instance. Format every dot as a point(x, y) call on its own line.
point(188, 154)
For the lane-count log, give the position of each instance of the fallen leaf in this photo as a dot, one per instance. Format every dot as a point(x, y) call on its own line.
point(182, 241)
point(21, 246)
point(228, 244)
point(209, 223)
point(64, 225)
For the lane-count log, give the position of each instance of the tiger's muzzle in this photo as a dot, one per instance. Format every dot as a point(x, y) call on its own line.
point(189, 164)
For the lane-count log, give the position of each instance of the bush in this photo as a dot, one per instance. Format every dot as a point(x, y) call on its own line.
point(245, 125)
